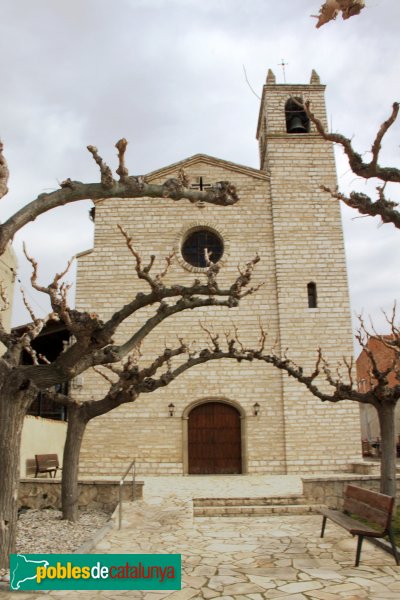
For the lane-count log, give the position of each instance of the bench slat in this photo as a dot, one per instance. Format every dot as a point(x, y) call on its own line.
point(374, 515)
point(47, 463)
point(380, 501)
point(354, 527)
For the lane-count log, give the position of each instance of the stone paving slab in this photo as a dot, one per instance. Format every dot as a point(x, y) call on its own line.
point(244, 558)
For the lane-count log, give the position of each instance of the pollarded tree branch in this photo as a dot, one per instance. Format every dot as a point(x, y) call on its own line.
point(223, 193)
point(94, 344)
point(358, 166)
point(4, 174)
point(107, 180)
point(156, 283)
point(122, 170)
point(383, 208)
point(57, 292)
point(115, 353)
point(160, 293)
point(132, 381)
point(59, 398)
point(393, 340)
point(377, 145)
point(5, 337)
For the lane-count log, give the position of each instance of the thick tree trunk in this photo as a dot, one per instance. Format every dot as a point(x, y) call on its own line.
point(14, 403)
point(69, 488)
point(388, 448)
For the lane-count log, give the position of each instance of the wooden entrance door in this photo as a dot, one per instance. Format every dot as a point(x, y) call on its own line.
point(214, 439)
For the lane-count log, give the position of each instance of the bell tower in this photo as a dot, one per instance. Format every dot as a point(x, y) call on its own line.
point(311, 277)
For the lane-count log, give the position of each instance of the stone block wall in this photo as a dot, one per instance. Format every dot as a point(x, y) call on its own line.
point(104, 495)
point(283, 216)
point(309, 248)
point(329, 490)
point(144, 430)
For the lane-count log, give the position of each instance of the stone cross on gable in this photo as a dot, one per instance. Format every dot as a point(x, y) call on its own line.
point(200, 185)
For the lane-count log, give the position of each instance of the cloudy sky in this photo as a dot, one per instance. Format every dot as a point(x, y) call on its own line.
point(168, 75)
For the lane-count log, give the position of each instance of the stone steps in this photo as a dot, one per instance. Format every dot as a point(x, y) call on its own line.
point(249, 507)
point(253, 501)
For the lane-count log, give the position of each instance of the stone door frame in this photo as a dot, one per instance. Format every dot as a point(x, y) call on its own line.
point(185, 429)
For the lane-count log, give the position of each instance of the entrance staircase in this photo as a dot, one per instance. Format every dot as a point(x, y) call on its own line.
point(253, 507)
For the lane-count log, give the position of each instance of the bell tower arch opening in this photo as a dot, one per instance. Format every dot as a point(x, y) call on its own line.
point(296, 118)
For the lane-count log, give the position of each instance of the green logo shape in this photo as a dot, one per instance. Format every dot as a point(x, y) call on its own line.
point(95, 572)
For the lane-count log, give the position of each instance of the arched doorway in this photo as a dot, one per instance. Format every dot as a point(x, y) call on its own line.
point(214, 439)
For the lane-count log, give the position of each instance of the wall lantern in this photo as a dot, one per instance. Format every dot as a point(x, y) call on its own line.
point(171, 409)
point(256, 409)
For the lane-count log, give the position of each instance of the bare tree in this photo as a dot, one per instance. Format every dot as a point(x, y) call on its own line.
point(93, 345)
point(93, 338)
point(127, 380)
point(332, 8)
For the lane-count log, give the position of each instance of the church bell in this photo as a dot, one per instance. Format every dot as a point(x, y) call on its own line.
point(296, 125)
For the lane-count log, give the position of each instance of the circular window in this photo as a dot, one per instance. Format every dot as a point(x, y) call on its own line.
point(195, 245)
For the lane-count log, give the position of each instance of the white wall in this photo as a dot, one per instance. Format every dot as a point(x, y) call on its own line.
point(41, 436)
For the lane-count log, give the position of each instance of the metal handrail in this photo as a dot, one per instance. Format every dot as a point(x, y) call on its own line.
point(121, 485)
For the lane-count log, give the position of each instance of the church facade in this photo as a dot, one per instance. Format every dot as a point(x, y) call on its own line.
point(225, 417)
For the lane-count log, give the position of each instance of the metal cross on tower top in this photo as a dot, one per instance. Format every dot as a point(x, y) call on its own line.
point(283, 65)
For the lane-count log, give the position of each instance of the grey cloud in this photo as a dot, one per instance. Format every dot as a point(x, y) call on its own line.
point(167, 75)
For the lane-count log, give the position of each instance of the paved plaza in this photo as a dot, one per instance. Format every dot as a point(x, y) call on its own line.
point(277, 556)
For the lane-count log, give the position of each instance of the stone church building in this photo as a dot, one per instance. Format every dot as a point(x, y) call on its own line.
point(225, 417)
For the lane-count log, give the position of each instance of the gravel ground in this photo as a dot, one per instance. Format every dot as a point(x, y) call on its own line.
point(43, 531)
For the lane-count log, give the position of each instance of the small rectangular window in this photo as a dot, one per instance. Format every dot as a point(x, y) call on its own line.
point(312, 294)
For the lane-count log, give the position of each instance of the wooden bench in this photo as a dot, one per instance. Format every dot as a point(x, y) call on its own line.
point(47, 463)
point(367, 449)
point(371, 506)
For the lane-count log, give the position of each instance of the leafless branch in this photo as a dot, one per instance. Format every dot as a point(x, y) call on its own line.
point(385, 209)
point(27, 305)
point(237, 339)
point(122, 171)
point(183, 178)
point(4, 298)
point(248, 83)
point(4, 173)
point(393, 340)
point(44, 359)
point(378, 373)
point(223, 193)
point(156, 283)
point(168, 262)
point(244, 278)
point(107, 180)
point(263, 338)
point(214, 337)
point(104, 375)
point(57, 292)
point(358, 166)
